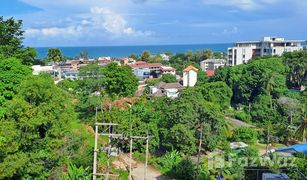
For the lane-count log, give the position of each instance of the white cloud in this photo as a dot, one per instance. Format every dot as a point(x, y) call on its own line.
point(241, 4)
point(54, 31)
point(114, 23)
point(233, 30)
point(96, 20)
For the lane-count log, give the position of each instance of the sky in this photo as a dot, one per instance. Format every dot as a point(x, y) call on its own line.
point(154, 22)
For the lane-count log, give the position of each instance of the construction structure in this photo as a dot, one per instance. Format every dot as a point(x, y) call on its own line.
point(108, 130)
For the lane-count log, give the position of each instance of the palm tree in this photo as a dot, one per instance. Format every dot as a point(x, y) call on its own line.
point(269, 86)
point(301, 132)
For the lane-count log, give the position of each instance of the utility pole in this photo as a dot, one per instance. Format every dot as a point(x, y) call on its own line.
point(199, 148)
point(95, 148)
point(108, 130)
point(130, 166)
point(147, 152)
point(146, 160)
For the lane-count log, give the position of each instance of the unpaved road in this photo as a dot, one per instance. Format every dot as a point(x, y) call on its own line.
point(152, 173)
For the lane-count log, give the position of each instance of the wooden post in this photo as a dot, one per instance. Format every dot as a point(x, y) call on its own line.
point(130, 162)
point(95, 149)
point(146, 160)
point(95, 153)
point(109, 153)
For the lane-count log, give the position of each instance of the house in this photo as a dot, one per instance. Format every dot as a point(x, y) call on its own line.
point(124, 61)
point(167, 70)
point(242, 52)
point(170, 90)
point(143, 69)
point(212, 64)
point(165, 57)
point(189, 76)
point(70, 69)
point(37, 69)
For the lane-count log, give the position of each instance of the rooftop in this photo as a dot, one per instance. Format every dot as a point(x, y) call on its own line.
point(163, 85)
point(167, 68)
point(268, 39)
point(142, 64)
point(214, 60)
point(189, 68)
point(210, 72)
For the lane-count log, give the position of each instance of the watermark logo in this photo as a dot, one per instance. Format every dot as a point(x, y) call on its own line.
point(230, 161)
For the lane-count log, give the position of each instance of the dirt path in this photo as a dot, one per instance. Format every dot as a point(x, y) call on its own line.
point(152, 173)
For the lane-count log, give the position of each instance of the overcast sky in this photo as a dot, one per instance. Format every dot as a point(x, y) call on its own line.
point(154, 22)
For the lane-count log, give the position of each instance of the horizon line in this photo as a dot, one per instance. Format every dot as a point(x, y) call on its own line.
point(129, 45)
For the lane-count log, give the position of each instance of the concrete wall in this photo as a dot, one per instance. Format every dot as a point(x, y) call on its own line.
point(189, 78)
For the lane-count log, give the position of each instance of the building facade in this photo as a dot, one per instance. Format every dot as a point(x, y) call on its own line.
point(167, 70)
point(189, 76)
point(242, 52)
point(212, 64)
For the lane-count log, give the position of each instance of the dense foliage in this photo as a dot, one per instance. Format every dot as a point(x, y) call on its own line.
point(33, 128)
point(12, 73)
point(54, 55)
point(46, 129)
point(11, 36)
point(168, 78)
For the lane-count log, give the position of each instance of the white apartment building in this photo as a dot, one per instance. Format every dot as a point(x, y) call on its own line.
point(212, 64)
point(242, 52)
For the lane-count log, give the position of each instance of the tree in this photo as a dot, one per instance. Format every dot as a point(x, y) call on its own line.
point(84, 54)
point(12, 72)
point(54, 55)
point(11, 36)
point(181, 139)
point(133, 56)
point(244, 134)
point(290, 106)
point(301, 132)
point(207, 54)
point(33, 128)
point(297, 73)
point(202, 77)
point(91, 78)
point(119, 80)
point(217, 92)
point(261, 111)
point(145, 56)
point(259, 76)
point(168, 78)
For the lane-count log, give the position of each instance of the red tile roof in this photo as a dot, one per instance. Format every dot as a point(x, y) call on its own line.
point(210, 72)
point(142, 64)
point(189, 68)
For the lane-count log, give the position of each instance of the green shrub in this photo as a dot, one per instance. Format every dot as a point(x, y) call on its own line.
point(169, 161)
point(184, 170)
point(243, 116)
point(249, 152)
point(74, 172)
point(244, 134)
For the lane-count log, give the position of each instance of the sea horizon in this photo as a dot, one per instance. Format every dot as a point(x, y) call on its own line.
point(117, 51)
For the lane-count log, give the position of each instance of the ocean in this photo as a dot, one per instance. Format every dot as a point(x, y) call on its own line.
point(123, 51)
